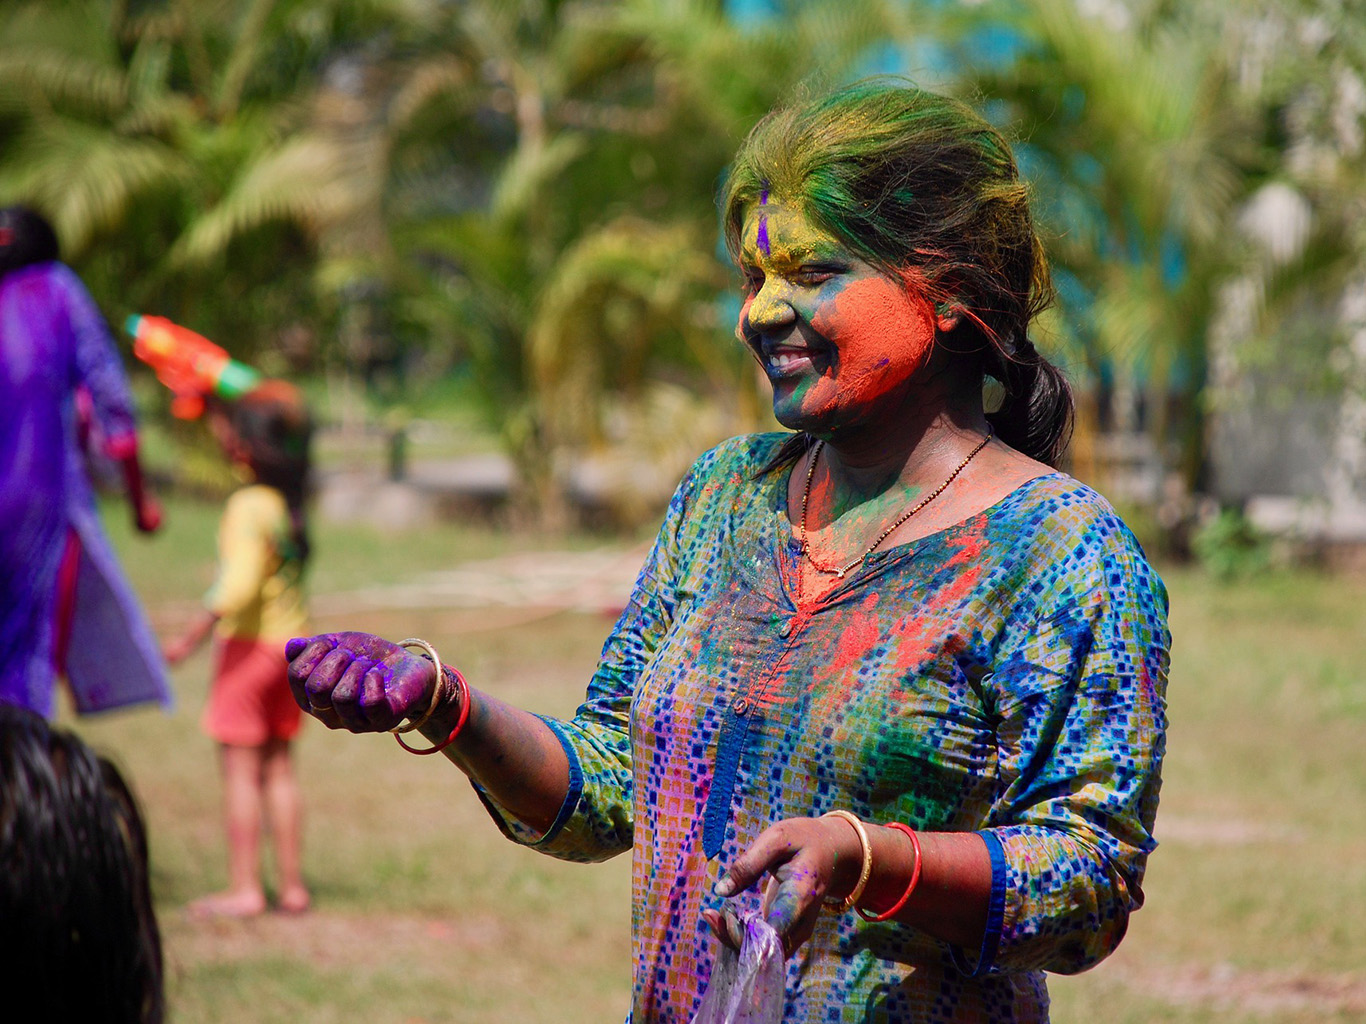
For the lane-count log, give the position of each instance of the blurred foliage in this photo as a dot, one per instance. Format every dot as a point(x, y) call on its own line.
point(523, 190)
point(1231, 547)
point(1179, 149)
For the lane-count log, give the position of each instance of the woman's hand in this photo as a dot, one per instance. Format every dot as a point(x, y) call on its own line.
point(357, 681)
point(808, 859)
point(147, 514)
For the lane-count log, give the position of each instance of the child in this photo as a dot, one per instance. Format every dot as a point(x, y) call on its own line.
point(257, 603)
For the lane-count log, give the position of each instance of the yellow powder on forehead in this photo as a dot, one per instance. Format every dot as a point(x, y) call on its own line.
point(791, 237)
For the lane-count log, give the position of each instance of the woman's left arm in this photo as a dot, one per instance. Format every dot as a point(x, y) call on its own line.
point(813, 859)
point(100, 370)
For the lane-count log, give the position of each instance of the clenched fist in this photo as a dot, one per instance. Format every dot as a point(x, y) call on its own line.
point(358, 681)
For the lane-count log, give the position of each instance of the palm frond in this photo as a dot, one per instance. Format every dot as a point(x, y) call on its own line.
point(84, 178)
point(307, 181)
point(603, 314)
point(530, 169)
point(59, 81)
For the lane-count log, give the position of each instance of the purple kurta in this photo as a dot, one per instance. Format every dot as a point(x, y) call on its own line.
point(53, 341)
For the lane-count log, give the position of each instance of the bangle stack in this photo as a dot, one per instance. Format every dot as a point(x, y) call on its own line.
point(444, 677)
point(866, 870)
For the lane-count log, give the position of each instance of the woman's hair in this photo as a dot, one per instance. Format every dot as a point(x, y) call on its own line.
point(920, 185)
point(25, 237)
point(272, 423)
point(78, 936)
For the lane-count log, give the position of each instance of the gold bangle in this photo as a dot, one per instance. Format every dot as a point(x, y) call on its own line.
point(438, 691)
point(865, 872)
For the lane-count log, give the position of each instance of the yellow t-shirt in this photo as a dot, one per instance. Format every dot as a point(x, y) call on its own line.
point(259, 592)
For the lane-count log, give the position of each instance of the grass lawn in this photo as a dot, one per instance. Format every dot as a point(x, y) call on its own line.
point(424, 913)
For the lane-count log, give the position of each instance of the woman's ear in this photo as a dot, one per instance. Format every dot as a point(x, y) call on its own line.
point(946, 316)
point(947, 312)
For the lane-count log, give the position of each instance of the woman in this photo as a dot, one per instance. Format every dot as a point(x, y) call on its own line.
point(893, 661)
point(65, 607)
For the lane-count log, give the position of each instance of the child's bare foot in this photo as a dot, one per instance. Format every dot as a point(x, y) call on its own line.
point(228, 904)
point(293, 901)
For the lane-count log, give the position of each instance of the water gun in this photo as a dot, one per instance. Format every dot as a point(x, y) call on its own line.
point(189, 364)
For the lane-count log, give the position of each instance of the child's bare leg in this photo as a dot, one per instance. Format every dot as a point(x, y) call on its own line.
point(286, 824)
point(242, 769)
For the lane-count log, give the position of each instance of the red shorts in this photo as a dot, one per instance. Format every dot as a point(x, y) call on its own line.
point(250, 701)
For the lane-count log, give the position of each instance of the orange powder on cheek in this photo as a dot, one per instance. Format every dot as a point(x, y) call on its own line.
point(882, 332)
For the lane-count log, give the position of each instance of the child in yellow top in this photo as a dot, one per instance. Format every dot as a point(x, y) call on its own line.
point(256, 603)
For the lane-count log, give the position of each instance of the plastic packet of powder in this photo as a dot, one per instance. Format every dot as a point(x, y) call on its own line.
point(746, 987)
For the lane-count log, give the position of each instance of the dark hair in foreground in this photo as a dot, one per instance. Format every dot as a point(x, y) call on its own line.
point(78, 937)
point(921, 186)
point(25, 237)
point(272, 421)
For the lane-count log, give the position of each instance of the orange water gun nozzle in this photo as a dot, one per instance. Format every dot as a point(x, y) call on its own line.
point(189, 364)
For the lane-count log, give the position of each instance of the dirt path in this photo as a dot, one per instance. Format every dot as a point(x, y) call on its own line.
point(564, 580)
point(495, 593)
point(1224, 987)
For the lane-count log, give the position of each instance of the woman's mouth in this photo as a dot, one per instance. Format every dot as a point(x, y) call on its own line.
point(790, 360)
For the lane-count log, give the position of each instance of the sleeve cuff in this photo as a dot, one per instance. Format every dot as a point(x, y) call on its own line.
point(991, 937)
point(514, 829)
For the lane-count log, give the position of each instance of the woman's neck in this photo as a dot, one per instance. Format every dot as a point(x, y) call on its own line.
point(916, 450)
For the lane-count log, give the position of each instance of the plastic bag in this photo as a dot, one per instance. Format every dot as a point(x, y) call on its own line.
point(746, 987)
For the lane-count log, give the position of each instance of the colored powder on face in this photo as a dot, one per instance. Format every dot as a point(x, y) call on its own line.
point(762, 239)
point(884, 334)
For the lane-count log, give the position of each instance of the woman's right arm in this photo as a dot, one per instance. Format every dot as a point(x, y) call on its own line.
point(564, 787)
point(363, 683)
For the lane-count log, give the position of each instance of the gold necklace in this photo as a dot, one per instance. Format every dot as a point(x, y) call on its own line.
point(840, 571)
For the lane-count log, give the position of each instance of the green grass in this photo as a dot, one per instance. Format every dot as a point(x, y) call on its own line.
point(424, 913)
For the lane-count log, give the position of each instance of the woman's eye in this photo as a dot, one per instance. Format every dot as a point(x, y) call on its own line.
point(753, 281)
point(814, 275)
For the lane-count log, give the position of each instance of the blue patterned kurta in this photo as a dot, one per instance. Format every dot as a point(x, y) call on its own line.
point(1005, 675)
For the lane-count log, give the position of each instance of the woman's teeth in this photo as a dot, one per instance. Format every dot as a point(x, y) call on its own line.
point(782, 361)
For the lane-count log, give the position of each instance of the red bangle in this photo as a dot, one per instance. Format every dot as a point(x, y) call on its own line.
point(895, 908)
point(462, 688)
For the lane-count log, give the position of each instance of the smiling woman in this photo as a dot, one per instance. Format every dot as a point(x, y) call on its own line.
point(888, 681)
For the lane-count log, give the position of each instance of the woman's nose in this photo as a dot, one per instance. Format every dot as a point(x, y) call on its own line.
point(769, 308)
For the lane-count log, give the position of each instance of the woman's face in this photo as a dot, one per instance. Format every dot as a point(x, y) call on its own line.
point(840, 341)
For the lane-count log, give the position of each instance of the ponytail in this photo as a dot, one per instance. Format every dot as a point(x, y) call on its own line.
point(1036, 416)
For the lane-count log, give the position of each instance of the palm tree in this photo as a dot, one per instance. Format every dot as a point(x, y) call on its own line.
point(589, 274)
point(1141, 149)
point(179, 152)
point(1152, 138)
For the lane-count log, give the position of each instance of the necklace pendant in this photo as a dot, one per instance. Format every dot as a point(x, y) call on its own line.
point(839, 573)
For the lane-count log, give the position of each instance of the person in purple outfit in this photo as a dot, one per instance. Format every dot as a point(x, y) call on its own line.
point(65, 606)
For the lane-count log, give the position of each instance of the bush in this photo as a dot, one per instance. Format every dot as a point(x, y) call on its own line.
point(1230, 547)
